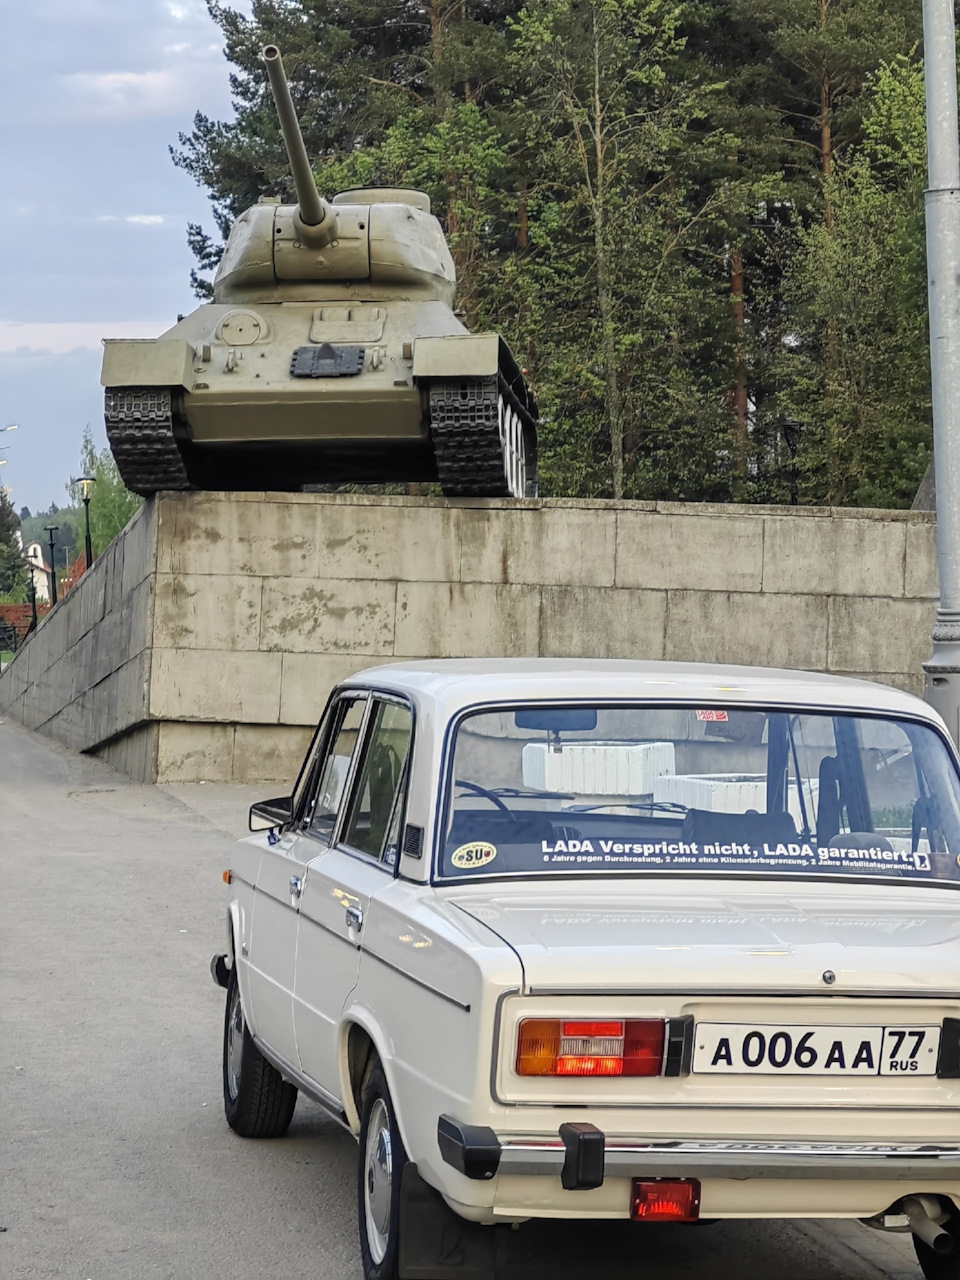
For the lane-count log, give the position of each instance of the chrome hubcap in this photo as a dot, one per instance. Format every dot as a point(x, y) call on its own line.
point(378, 1181)
point(514, 452)
point(234, 1043)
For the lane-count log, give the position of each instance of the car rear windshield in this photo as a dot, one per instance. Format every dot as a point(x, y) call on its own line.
point(693, 790)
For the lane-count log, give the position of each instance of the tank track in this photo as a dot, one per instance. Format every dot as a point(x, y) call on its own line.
point(140, 431)
point(465, 424)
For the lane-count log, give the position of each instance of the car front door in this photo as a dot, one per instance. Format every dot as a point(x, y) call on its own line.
point(360, 858)
point(271, 948)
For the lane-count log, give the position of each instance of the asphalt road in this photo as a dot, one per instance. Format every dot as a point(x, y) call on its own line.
point(115, 1160)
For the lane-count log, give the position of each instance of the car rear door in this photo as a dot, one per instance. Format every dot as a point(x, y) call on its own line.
point(340, 881)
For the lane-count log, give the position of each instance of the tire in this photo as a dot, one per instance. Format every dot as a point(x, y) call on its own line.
point(380, 1169)
point(257, 1101)
point(934, 1265)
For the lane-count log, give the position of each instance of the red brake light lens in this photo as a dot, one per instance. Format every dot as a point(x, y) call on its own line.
point(555, 1047)
point(665, 1200)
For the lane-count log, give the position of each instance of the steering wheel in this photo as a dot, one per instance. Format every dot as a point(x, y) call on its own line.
point(487, 795)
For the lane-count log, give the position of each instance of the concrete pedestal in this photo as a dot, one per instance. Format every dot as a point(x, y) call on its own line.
point(204, 642)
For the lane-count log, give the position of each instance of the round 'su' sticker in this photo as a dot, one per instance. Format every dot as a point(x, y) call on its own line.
point(471, 856)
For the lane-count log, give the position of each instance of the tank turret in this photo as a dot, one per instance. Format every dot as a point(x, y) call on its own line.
point(330, 353)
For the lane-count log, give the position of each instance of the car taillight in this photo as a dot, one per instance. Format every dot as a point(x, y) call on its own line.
point(603, 1047)
point(665, 1200)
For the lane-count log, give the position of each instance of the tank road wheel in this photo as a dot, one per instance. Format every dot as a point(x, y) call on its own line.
point(258, 1102)
point(481, 439)
point(140, 429)
point(382, 1159)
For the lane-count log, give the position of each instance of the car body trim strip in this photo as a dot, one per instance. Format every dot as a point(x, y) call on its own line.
point(732, 1160)
point(695, 993)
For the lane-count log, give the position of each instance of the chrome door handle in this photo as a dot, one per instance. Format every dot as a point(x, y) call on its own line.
point(296, 885)
point(354, 918)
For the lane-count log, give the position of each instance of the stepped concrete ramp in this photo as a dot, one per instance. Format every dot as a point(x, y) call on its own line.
point(204, 642)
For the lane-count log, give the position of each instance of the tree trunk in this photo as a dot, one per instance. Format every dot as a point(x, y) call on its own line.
point(738, 392)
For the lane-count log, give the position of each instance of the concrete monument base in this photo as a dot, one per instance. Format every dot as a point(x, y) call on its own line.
point(204, 642)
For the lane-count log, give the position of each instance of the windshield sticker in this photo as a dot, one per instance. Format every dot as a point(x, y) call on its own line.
point(471, 856)
point(682, 853)
point(715, 717)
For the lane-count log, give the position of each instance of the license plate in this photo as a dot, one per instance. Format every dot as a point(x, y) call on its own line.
point(725, 1048)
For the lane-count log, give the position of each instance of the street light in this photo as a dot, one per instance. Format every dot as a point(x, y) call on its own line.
point(52, 529)
point(87, 483)
point(14, 426)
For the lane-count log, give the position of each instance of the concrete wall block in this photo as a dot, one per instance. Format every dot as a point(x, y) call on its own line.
point(386, 543)
point(199, 533)
point(204, 684)
point(92, 590)
point(198, 611)
point(112, 561)
point(572, 547)
point(834, 556)
point(689, 552)
point(307, 679)
point(300, 616)
point(747, 628)
point(870, 635)
point(451, 620)
point(139, 546)
point(195, 752)
point(134, 753)
point(592, 622)
point(922, 575)
point(50, 638)
point(269, 753)
point(73, 614)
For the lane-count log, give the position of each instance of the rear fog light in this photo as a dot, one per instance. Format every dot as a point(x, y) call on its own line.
point(665, 1200)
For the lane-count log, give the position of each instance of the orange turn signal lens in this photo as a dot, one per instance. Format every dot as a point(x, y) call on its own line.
point(551, 1047)
point(227, 877)
point(665, 1200)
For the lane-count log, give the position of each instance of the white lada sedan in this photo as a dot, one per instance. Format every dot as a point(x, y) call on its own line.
point(580, 939)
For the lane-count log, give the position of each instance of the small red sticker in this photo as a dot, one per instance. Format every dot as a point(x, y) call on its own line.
point(712, 715)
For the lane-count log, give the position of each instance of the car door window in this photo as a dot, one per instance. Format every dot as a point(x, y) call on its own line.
point(373, 824)
point(335, 767)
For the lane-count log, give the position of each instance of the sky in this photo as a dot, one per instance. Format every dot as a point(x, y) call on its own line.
point(93, 212)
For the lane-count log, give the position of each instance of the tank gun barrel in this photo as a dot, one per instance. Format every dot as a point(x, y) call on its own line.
point(313, 210)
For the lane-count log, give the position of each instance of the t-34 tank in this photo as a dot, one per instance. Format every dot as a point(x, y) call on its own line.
point(329, 354)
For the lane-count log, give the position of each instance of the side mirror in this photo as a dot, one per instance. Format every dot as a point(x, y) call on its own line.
point(271, 813)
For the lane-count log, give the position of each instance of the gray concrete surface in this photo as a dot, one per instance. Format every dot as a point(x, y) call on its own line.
point(115, 1159)
point(204, 642)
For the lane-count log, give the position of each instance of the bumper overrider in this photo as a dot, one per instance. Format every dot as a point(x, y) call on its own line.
point(582, 1157)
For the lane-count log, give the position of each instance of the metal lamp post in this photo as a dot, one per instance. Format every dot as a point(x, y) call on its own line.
point(86, 483)
point(942, 202)
point(51, 529)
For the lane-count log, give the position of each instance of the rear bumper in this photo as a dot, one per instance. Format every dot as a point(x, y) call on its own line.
point(582, 1157)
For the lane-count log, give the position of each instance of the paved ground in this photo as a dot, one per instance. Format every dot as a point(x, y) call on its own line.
point(115, 1160)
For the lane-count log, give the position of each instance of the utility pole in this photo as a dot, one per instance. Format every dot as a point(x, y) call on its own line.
point(51, 530)
point(942, 203)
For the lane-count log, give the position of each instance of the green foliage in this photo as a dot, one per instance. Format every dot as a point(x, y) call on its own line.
point(698, 226)
point(858, 376)
point(12, 569)
point(112, 505)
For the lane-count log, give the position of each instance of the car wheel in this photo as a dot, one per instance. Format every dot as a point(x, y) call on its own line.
point(382, 1158)
point(258, 1102)
point(936, 1266)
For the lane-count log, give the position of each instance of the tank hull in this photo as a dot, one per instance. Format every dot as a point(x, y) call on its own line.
point(285, 394)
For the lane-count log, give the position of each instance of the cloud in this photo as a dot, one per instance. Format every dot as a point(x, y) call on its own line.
point(140, 219)
point(59, 337)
